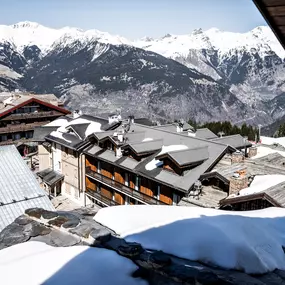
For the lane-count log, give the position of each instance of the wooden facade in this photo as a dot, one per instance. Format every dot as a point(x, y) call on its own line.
point(18, 122)
point(168, 164)
point(257, 204)
point(124, 185)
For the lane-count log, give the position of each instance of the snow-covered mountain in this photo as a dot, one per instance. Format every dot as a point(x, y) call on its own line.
point(26, 33)
point(209, 75)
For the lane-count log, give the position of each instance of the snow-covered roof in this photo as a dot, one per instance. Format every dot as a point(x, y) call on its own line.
point(73, 132)
point(250, 241)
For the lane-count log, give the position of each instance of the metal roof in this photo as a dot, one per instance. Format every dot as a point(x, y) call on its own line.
point(50, 177)
point(41, 132)
point(147, 146)
point(187, 156)
point(205, 133)
point(236, 141)
point(19, 189)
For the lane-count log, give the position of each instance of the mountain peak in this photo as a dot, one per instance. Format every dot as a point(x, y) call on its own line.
point(197, 31)
point(26, 24)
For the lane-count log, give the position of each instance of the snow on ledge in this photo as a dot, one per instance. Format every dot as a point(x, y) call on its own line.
point(156, 163)
point(64, 265)
point(247, 241)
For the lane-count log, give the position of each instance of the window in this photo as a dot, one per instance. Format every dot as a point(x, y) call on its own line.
point(137, 185)
point(127, 201)
point(157, 196)
point(59, 166)
point(50, 161)
point(127, 179)
point(175, 199)
point(99, 166)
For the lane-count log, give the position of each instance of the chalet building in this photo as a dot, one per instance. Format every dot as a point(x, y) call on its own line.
point(60, 152)
point(20, 113)
point(118, 162)
point(153, 165)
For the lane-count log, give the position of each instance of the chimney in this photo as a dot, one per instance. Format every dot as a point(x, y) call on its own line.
point(179, 127)
point(131, 119)
point(75, 114)
point(237, 183)
point(237, 157)
point(252, 151)
point(120, 137)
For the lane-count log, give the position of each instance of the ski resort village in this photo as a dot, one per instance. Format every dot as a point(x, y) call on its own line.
point(101, 194)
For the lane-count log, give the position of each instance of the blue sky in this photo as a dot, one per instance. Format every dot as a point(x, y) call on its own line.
point(136, 18)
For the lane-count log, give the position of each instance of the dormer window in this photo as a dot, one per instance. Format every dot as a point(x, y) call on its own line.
point(182, 161)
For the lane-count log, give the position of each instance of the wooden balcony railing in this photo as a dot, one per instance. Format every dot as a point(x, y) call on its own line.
point(20, 127)
point(123, 188)
point(23, 116)
point(105, 200)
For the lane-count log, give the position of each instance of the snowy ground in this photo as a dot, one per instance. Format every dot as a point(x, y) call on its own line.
point(247, 241)
point(34, 263)
point(271, 141)
point(262, 182)
point(264, 151)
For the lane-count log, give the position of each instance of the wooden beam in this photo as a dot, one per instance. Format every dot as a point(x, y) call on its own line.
point(276, 11)
point(280, 21)
point(270, 3)
point(269, 19)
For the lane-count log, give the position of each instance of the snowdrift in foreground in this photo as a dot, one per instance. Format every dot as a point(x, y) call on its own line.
point(34, 263)
point(247, 241)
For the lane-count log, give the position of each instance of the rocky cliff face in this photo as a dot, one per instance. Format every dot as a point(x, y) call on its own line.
point(207, 75)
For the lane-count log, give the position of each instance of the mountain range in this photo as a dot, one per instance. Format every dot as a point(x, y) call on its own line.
point(205, 75)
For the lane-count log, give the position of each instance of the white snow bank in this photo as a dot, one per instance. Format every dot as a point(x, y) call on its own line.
point(264, 151)
point(57, 123)
point(247, 241)
point(63, 124)
point(271, 141)
point(156, 163)
point(34, 263)
point(59, 135)
point(147, 139)
point(262, 182)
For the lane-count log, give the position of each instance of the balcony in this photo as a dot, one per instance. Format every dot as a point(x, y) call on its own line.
point(24, 116)
point(20, 127)
point(96, 195)
point(123, 188)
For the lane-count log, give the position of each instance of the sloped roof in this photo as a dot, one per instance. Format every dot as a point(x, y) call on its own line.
point(19, 189)
point(147, 146)
point(275, 195)
point(160, 137)
point(50, 177)
point(205, 133)
point(23, 100)
point(236, 141)
point(41, 132)
point(188, 156)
